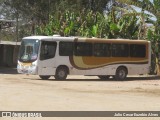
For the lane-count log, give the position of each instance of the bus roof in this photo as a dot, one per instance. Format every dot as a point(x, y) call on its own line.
point(51, 38)
point(112, 40)
point(60, 38)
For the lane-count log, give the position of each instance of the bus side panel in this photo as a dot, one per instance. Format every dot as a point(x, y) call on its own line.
point(111, 70)
point(47, 67)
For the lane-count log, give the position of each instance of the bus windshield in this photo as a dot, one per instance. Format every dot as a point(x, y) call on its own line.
point(29, 50)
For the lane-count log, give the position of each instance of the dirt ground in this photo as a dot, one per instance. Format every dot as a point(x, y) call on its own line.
point(78, 93)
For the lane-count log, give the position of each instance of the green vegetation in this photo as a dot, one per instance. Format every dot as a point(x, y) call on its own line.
point(90, 18)
point(91, 24)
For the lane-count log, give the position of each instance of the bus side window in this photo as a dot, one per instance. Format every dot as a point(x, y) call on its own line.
point(120, 50)
point(48, 50)
point(102, 49)
point(137, 50)
point(65, 48)
point(83, 49)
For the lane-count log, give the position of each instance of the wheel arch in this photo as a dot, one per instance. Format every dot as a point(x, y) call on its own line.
point(122, 66)
point(63, 66)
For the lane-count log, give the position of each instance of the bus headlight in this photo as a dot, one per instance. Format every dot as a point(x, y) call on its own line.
point(33, 68)
point(19, 66)
point(33, 65)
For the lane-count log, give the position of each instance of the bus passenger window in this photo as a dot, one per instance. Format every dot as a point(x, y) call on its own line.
point(83, 49)
point(102, 49)
point(137, 50)
point(120, 50)
point(48, 50)
point(66, 48)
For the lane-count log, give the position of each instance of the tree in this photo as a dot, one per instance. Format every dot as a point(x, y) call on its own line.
point(151, 7)
point(94, 5)
point(35, 12)
point(91, 24)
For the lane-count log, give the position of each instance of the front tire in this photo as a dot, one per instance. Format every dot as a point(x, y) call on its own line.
point(121, 73)
point(61, 73)
point(44, 77)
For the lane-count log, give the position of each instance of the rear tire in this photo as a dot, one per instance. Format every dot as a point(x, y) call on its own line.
point(44, 77)
point(61, 73)
point(121, 73)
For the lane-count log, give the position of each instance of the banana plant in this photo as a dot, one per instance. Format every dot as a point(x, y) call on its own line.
point(123, 24)
point(94, 24)
point(153, 7)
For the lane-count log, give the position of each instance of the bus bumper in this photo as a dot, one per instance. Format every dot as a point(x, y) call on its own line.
point(30, 69)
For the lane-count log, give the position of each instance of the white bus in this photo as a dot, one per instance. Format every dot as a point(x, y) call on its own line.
point(61, 56)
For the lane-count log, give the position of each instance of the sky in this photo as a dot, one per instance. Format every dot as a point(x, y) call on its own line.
point(139, 10)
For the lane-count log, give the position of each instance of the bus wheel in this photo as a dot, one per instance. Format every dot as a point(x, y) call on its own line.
point(44, 77)
point(104, 77)
point(61, 73)
point(121, 73)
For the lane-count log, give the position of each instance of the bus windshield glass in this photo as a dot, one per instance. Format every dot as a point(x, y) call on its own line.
point(29, 50)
